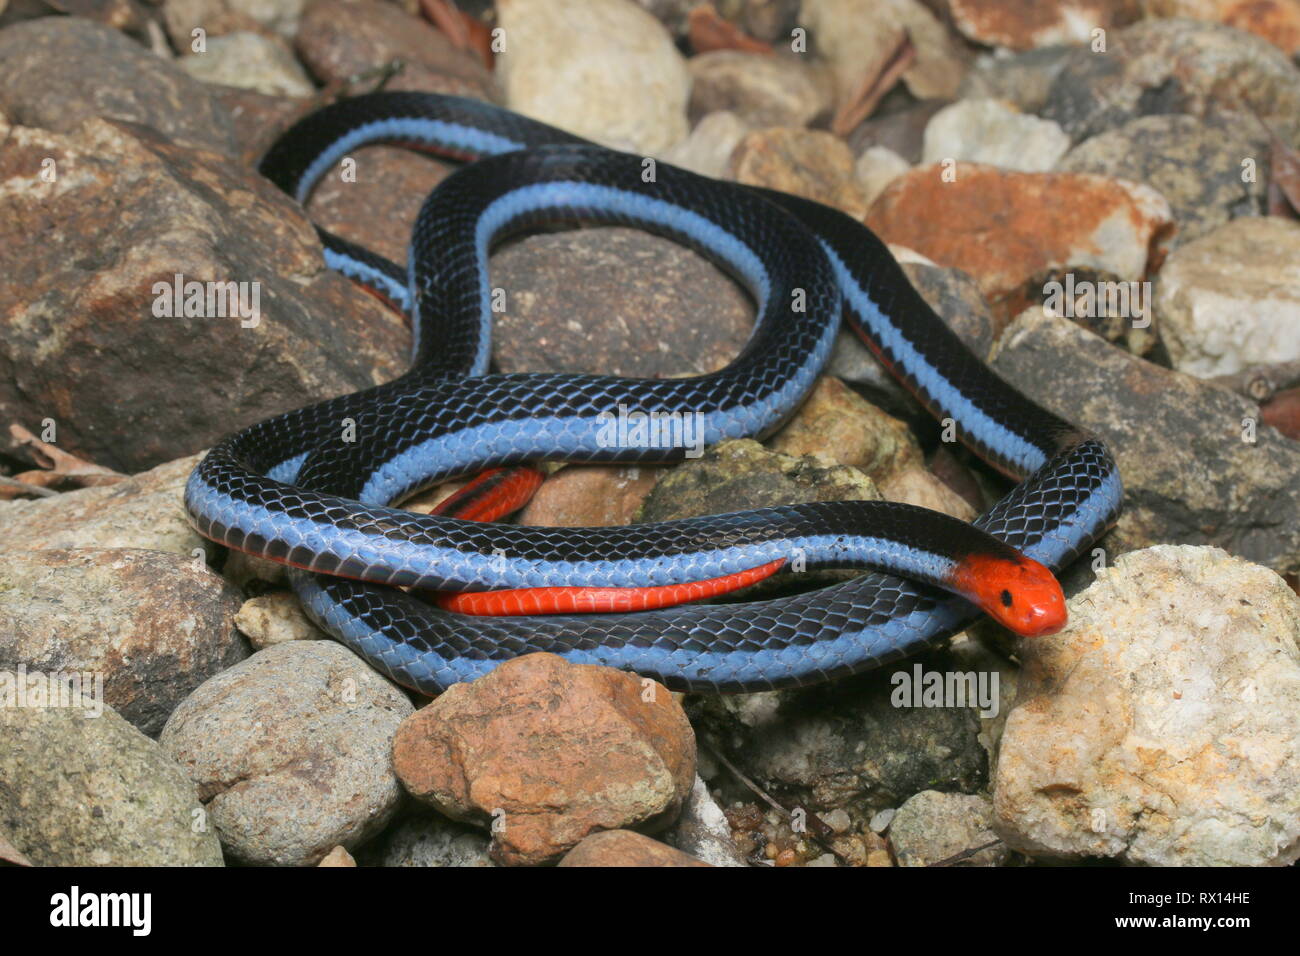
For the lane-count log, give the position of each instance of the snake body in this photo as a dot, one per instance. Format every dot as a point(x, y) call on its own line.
point(314, 488)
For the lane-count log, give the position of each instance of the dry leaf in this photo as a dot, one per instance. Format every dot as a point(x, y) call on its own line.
point(708, 30)
point(865, 97)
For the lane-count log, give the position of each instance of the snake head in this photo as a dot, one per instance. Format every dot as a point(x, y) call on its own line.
point(1017, 592)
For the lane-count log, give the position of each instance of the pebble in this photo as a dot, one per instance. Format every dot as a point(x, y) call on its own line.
point(625, 848)
point(250, 61)
point(933, 827)
point(290, 752)
point(810, 163)
point(543, 753)
point(1023, 26)
point(990, 132)
point(1162, 727)
point(876, 168)
point(591, 496)
point(275, 618)
point(762, 90)
point(708, 148)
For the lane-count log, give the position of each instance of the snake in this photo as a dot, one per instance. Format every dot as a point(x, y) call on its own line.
point(319, 488)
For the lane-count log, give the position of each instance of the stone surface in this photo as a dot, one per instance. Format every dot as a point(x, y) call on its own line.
point(1231, 299)
point(1024, 24)
point(250, 61)
point(433, 840)
point(275, 618)
point(708, 148)
point(762, 90)
point(1277, 21)
point(1160, 728)
point(1190, 476)
point(934, 827)
point(545, 752)
point(153, 626)
point(810, 163)
point(702, 830)
point(1198, 165)
point(990, 132)
point(114, 78)
point(602, 69)
point(127, 214)
point(625, 848)
point(339, 40)
point(94, 791)
point(1022, 79)
point(289, 751)
point(591, 496)
point(1003, 227)
point(876, 168)
point(1174, 66)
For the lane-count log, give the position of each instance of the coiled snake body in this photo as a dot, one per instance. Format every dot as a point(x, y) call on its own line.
point(295, 489)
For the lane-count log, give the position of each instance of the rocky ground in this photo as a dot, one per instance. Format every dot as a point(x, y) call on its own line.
point(1015, 156)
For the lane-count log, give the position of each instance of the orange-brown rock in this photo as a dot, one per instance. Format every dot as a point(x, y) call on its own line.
point(545, 752)
point(811, 163)
point(626, 848)
point(1003, 227)
point(1025, 24)
point(591, 496)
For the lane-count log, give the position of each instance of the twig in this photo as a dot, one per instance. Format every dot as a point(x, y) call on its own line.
point(965, 854)
point(7, 482)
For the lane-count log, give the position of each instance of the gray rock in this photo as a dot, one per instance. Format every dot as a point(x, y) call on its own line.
point(249, 61)
point(1162, 728)
point(1190, 476)
point(291, 752)
point(1196, 164)
point(432, 840)
point(1023, 79)
point(934, 827)
point(63, 70)
point(154, 626)
point(77, 790)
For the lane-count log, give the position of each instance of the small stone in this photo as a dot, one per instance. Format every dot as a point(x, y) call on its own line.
point(762, 90)
point(707, 150)
point(876, 168)
point(1024, 24)
point(810, 163)
point(338, 856)
point(545, 752)
point(289, 750)
point(880, 822)
point(1277, 21)
point(1231, 299)
point(433, 840)
point(625, 848)
point(603, 69)
point(990, 132)
point(702, 830)
point(275, 618)
point(590, 496)
point(249, 61)
point(1162, 727)
point(932, 827)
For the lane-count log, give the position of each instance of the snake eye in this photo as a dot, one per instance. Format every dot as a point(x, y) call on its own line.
point(1006, 598)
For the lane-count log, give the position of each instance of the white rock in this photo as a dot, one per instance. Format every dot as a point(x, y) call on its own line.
point(1162, 727)
point(275, 618)
point(876, 168)
point(708, 149)
point(991, 132)
point(1231, 298)
point(603, 69)
point(249, 61)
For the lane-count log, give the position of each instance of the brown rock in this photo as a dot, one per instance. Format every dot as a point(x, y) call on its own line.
point(546, 752)
point(113, 78)
point(1277, 21)
point(1024, 24)
point(590, 496)
point(259, 119)
point(339, 40)
point(154, 626)
point(126, 214)
point(761, 90)
point(626, 848)
point(1003, 227)
point(338, 856)
point(810, 163)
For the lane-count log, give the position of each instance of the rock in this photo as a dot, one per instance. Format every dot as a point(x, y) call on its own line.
point(1196, 164)
point(602, 69)
point(1024, 24)
point(625, 848)
point(857, 37)
point(876, 168)
point(702, 831)
point(707, 150)
point(250, 61)
point(144, 511)
point(741, 474)
point(811, 163)
point(762, 90)
point(1230, 299)
point(1022, 79)
point(114, 78)
point(289, 751)
point(1003, 227)
point(1189, 475)
point(1277, 21)
point(94, 791)
point(258, 119)
point(127, 214)
point(902, 131)
point(847, 745)
point(338, 40)
point(220, 17)
point(588, 496)
point(152, 626)
point(932, 827)
point(990, 132)
point(615, 301)
point(433, 840)
point(1161, 727)
point(337, 857)
point(1174, 66)
point(275, 618)
point(545, 752)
